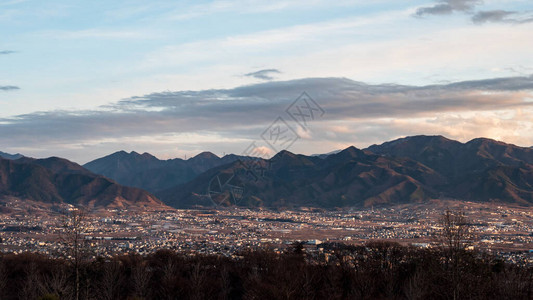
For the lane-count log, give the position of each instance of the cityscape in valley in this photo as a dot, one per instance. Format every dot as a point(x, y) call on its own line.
point(503, 231)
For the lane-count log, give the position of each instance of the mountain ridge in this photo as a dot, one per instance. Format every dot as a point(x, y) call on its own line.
point(56, 180)
point(153, 174)
point(10, 156)
point(411, 169)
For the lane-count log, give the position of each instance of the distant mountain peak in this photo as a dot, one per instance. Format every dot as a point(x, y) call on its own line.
point(426, 138)
point(10, 156)
point(346, 154)
point(205, 155)
point(284, 154)
point(58, 180)
point(351, 149)
point(350, 152)
point(324, 155)
point(482, 140)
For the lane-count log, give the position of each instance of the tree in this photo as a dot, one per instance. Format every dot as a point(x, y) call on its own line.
point(30, 288)
point(56, 283)
point(455, 234)
point(110, 280)
point(73, 226)
point(140, 279)
point(3, 278)
point(455, 237)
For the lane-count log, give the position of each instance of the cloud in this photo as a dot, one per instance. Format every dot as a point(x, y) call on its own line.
point(445, 7)
point(5, 52)
point(263, 74)
point(239, 115)
point(8, 88)
point(501, 16)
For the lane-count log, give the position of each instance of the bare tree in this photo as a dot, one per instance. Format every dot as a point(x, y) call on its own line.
point(73, 226)
point(455, 234)
point(455, 237)
point(31, 284)
point(3, 279)
point(197, 282)
point(168, 280)
point(141, 279)
point(110, 281)
point(57, 284)
point(225, 280)
point(414, 287)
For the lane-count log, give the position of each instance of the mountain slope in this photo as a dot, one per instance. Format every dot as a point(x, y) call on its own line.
point(412, 169)
point(10, 156)
point(147, 172)
point(479, 170)
point(56, 180)
point(348, 178)
point(454, 158)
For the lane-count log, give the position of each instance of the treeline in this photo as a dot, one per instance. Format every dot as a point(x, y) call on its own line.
point(378, 270)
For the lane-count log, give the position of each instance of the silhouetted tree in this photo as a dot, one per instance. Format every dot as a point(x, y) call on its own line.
point(57, 282)
point(30, 287)
point(455, 236)
point(3, 278)
point(140, 277)
point(110, 280)
point(73, 226)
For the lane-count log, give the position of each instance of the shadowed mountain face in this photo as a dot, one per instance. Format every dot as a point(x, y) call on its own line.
point(479, 170)
point(412, 169)
point(348, 178)
point(408, 170)
point(147, 172)
point(454, 158)
point(10, 156)
point(55, 180)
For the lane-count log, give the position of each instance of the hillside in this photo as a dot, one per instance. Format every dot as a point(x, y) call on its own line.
point(413, 169)
point(56, 180)
point(348, 178)
point(10, 156)
point(479, 170)
point(152, 174)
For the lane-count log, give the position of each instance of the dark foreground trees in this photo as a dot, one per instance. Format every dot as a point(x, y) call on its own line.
point(378, 270)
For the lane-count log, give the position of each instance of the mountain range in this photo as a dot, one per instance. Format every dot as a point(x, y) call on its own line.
point(152, 174)
point(413, 169)
point(55, 180)
point(407, 170)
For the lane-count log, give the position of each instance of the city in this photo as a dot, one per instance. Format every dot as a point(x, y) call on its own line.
point(506, 232)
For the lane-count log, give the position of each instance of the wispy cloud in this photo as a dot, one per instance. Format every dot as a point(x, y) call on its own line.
point(502, 16)
point(265, 74)
point(444, 7)
point(241, 113)
point(5, 52)
point(8, 88)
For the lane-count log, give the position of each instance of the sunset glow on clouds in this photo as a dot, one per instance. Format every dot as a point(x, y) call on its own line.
point(82, 80)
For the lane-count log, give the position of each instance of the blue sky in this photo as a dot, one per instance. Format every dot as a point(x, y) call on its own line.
point(68, 68)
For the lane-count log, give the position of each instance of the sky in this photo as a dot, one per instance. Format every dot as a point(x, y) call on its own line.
point(83, 79)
